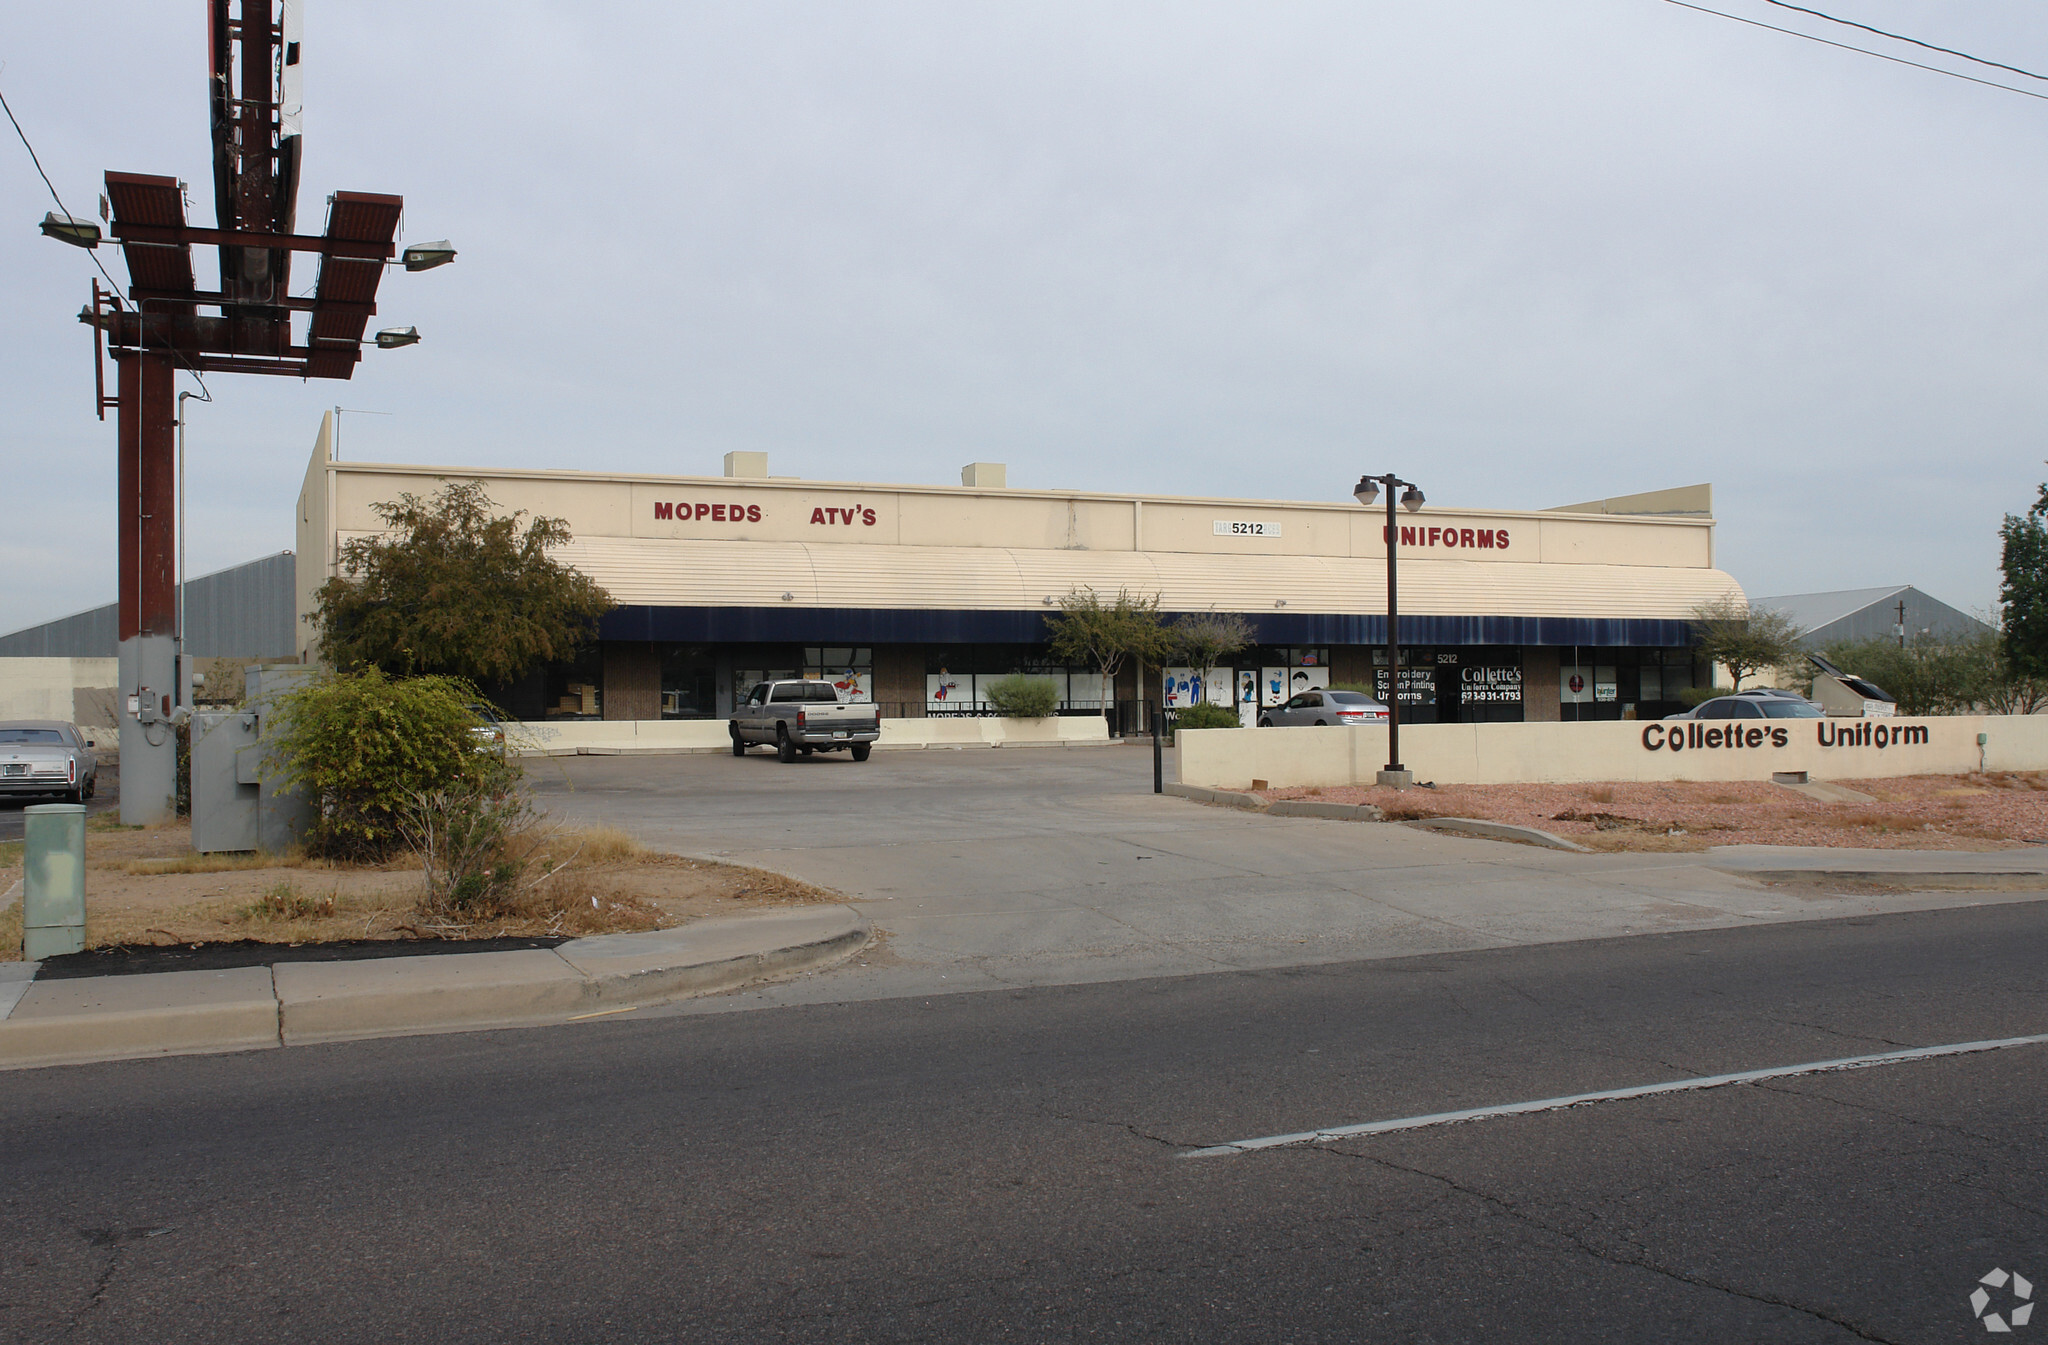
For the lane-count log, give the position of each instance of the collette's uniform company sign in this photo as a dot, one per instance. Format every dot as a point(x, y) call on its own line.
point(1735, 736)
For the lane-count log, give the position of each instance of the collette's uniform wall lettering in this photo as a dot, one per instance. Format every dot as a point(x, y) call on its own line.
point(1693, 736)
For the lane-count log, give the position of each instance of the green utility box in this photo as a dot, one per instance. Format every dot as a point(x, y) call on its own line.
point(53, 880)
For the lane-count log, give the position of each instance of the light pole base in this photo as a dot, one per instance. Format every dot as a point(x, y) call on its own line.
point(1397, 779)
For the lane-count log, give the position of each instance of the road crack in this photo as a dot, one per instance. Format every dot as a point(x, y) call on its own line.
point(1640, 1260)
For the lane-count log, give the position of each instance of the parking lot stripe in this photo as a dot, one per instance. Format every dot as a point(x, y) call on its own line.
point(1610, 1095)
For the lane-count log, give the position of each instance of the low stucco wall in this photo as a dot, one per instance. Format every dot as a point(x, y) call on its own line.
point(1832, 749)
point(81, 690)
point(569, 737)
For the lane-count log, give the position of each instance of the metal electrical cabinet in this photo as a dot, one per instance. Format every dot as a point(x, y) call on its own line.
point(225, 786)
point(237, 802)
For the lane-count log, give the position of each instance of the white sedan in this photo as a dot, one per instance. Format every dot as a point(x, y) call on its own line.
point(46, 756)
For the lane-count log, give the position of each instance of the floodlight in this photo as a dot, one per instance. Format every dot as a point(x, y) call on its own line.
point(391, 338)
point(427, 256)
point(80, 233)
point(1411, 499)
point(1367, 490)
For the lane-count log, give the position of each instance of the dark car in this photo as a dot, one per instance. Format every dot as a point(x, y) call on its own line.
point(1769, 703)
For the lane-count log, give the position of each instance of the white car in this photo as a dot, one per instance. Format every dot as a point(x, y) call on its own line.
point(1324, 707)
point(46, 756)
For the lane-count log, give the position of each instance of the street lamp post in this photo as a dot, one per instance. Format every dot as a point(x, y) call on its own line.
point(1368, 490)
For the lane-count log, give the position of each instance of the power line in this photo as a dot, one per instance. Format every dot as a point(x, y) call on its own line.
point(37, 161)
point(1900, 37)
point(205, 393)
point(1864, 51)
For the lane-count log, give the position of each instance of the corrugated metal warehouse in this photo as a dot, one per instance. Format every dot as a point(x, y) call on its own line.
point(243, 612)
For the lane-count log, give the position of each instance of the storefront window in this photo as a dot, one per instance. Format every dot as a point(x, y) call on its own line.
point(575, 690)
point(689, 682)
point(956, 677)
point(850, 669)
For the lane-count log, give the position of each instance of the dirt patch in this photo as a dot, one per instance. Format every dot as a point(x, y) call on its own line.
point(1945, 812)
point(144, 886)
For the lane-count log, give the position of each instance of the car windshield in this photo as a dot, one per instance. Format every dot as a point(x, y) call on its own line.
point(1777, 709)
point(1351, 698)
point(31, 736)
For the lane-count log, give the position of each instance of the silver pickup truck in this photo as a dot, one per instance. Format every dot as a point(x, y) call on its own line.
point(803, 717)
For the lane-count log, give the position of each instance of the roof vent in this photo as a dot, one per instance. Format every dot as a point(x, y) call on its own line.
point(985, 475)
point(746, 464)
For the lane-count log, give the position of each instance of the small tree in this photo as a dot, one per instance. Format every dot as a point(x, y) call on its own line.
point(453, 588)
point(1203, 640)
point(1744, 639)
point(1090, 630)
point(2023, 591)
point(361, 747)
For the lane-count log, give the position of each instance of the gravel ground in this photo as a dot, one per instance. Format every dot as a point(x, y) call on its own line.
point(1923, 812)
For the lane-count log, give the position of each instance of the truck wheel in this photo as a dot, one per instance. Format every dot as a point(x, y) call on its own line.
point(739, 744)
point(785, 750)
point(861, 750)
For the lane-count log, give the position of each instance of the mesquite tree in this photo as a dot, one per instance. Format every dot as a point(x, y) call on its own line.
point(453, 587)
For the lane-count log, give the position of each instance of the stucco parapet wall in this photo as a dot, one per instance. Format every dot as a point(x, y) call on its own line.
point(657, 737)
point(610, 506)
point(1832, 749)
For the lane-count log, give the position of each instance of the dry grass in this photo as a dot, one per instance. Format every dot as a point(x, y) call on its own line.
point(146, 887)
point(604, 845)
point(1979, 812)
point(227, 862)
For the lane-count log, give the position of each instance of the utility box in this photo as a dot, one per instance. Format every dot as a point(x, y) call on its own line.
point(226, 785)
point(53, 880)
point(282, 816)
point(238, 803)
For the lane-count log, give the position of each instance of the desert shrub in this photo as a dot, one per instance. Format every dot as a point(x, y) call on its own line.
point(1021, 696)
point(1203, 715)
point(476, 841)
point(361, 747)
point(1693, 696)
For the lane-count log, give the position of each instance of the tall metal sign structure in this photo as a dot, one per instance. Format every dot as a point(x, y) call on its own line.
point(254, 326)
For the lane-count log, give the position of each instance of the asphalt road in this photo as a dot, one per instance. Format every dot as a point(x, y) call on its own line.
point(1005, 1165)
point(106, 799)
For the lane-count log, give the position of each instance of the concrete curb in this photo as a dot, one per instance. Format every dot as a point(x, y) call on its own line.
point(1225, 798)
point(1496, 831)
point(173, 1013)
point(296, 1003)
point(1342, 812)
point(1902, 880)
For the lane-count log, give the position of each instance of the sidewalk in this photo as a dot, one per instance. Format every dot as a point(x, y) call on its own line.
point(295, 1003)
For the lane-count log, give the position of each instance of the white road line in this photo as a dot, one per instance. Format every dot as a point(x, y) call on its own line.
point(1610, 1095)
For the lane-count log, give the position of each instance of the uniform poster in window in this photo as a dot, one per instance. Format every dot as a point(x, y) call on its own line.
point(1185, 686)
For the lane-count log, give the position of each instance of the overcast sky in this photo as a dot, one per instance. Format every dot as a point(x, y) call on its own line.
point(1525, 254)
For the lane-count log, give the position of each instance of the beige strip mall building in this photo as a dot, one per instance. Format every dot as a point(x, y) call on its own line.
point(917, 597)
